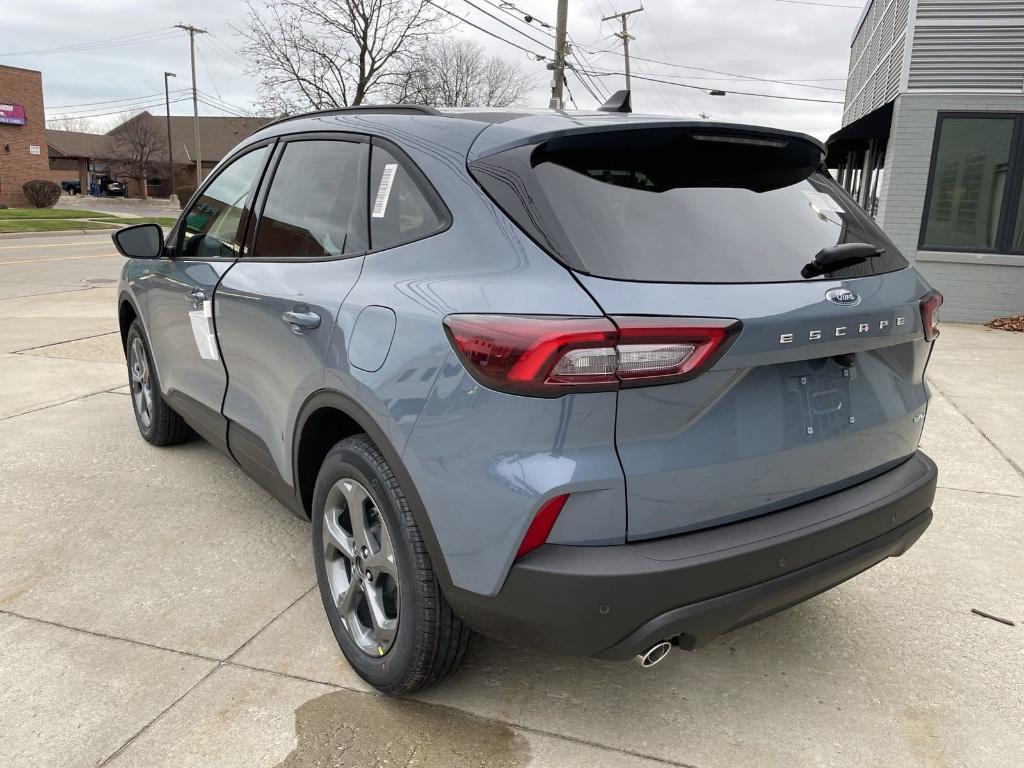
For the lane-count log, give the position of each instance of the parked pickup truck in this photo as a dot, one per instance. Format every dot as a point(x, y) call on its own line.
point(72, 187)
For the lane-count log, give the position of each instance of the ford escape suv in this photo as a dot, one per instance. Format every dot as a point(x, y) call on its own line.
point(595, 383)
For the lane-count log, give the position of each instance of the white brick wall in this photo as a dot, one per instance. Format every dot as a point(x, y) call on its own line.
point(974, 292)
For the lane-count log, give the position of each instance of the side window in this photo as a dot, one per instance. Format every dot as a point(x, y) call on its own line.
point(402, 208)
point(215, 224)
point(316, 206)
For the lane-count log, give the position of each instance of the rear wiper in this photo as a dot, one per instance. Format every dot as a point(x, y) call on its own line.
point(838, 256)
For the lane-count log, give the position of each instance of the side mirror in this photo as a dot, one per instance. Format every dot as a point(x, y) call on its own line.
point(143, 241)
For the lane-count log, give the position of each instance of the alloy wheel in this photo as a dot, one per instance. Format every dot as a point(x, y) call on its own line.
point(141, 382)
point(361, 572)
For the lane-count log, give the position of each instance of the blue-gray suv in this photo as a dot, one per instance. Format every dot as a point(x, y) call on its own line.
point(597, 383)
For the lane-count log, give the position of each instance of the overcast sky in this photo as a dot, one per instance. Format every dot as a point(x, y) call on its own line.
point(761, 38)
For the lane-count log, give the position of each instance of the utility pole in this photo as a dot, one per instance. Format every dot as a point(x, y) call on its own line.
point(558, 67)
point(170, 144)
point(624, 35)
point(192, 32)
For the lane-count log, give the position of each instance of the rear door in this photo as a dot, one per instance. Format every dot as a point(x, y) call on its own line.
point(179, 293)
point(277, 308)
point(823, 384)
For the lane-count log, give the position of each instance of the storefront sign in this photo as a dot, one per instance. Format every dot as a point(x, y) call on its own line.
point(12, 114)
point(33, 149)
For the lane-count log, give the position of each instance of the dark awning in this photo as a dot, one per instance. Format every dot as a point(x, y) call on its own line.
point(855, 136)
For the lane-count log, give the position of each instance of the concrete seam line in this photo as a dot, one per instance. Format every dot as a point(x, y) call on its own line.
point(57, 343)
point(982, 493)
point(259, 631)
point(62, 402)
point(48, 293)
point(163, 712)
point(105, 636)
point(981, 432)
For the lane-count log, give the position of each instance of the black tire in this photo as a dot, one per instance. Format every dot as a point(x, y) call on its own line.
point(430, 641)
point(163, 426)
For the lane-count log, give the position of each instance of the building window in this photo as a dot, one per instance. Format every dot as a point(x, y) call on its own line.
point(974, 200)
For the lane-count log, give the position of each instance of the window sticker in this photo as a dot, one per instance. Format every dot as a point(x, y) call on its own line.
point(203, 333)
point(822, 203)
point(380, 205)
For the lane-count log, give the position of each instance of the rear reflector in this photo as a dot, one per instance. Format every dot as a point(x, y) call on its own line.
point(542, 524)
point(548, 356)
point(930, 315)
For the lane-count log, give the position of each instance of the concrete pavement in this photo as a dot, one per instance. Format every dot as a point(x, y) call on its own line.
point(157, 608)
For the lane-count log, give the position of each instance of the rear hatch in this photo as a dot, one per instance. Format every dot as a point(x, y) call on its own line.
point(822, 386)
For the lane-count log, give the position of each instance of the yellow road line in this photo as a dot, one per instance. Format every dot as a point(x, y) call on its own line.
point(59, 258)
point(48, 245)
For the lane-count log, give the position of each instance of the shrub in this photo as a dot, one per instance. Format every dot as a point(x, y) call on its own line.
point(41, 193)
point(184, 193)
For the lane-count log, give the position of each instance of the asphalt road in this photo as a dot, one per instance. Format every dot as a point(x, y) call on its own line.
point(158, 609)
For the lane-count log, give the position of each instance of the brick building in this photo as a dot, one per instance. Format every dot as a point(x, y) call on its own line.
point(23, 147)
point(86, 157)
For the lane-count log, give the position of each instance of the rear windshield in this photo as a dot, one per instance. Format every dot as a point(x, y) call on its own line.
point(669, 205)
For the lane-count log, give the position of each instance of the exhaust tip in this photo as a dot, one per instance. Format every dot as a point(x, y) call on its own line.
point(655, 654)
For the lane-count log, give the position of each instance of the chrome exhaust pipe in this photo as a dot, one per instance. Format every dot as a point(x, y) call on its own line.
point(655, 654)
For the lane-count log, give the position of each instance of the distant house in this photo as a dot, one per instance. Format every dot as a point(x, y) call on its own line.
point(932, 143)
point(90, 158)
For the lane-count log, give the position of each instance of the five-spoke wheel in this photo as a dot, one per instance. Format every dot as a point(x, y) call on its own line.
point(360, 562)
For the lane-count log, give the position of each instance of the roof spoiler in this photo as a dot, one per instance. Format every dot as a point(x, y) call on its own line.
point(620, 101)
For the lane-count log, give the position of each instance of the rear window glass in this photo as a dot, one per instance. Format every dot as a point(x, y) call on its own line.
point(667, 205)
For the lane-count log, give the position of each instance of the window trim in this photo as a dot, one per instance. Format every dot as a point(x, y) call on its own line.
point(261, 199)
point(1009, 208)
point(176, 234)
point(420, 179)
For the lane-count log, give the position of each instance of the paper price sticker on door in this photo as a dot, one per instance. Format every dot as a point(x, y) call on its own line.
point(203, 333)
point(380, 205)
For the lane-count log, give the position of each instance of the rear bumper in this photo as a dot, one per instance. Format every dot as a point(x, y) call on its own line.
point(614, 602)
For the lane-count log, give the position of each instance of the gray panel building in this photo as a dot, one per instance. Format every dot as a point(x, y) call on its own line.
point(932, 143)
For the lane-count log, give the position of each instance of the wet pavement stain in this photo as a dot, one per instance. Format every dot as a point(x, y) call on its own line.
point(346, 729)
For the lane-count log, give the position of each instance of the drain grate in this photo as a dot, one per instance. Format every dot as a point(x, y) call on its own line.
point(98, 280)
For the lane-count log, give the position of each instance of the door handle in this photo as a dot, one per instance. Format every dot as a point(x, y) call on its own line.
point(197, 296)
point(300, 320)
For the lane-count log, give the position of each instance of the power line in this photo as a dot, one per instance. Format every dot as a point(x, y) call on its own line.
point(702, 88)
point(720, 72)
point(822, 5)
point(110, 42)
point(504, 23)
point(111, 101)
point(122, 110)
point(537, 56)
point(209, 74)
point(210, 103)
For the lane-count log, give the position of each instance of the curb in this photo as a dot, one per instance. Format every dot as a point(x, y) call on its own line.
point(65, 232)
point(58, 233)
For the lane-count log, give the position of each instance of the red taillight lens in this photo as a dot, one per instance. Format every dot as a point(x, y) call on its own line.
point(551, 355)
point(930, 315)
point(542, 524)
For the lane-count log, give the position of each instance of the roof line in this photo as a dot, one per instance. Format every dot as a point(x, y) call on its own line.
point(380, 108)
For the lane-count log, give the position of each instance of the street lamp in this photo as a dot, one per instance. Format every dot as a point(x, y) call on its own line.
point(170, 151)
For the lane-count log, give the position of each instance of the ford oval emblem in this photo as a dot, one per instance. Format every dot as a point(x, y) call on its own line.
point(843, 296)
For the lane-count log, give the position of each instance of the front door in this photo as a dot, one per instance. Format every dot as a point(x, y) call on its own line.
point(179, 294)
point(277, 307)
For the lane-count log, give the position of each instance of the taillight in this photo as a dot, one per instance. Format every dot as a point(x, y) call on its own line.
point(930, 314)
point(549, 356)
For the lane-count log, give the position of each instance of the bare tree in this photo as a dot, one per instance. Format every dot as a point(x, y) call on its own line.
point(318, 54)
point(459, 73)
point(71, 123)
point(137, 146)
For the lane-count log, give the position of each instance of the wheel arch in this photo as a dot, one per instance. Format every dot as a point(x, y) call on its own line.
point(328, 417)
point(127, 313)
